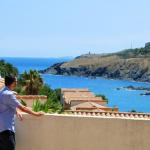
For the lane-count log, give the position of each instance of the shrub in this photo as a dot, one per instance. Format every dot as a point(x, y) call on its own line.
point(103, 97)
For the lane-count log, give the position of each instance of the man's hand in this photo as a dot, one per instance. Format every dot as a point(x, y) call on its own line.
point(40, 113)
point(19, 115)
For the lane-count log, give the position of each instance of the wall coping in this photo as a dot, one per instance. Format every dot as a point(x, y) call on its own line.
point(85, 116)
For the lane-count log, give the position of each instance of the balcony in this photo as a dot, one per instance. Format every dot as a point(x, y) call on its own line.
point(76, 132)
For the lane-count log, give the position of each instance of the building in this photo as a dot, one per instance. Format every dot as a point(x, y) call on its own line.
point(147, 44)
point(83, 100)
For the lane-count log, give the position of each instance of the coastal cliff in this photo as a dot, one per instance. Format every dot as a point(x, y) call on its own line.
point(131, 64)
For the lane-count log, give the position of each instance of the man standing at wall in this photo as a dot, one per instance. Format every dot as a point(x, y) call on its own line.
point(8, 108)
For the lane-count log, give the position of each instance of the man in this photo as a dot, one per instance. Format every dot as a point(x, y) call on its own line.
point(8, 108)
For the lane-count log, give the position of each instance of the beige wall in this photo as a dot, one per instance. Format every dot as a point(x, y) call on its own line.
point(29, 99)
point(60, 132)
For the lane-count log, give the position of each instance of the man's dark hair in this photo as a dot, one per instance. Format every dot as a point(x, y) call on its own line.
point(9, 80)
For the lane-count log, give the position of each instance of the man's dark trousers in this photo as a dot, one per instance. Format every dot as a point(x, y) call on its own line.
point(7, 140)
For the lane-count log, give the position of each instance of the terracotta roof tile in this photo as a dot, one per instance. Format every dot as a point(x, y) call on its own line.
point(80, 99)
point(79, 95)
point(74, 90)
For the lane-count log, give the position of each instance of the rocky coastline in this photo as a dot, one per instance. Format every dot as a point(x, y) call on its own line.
point(123, 71)
point(127, 65)
point(137, 88)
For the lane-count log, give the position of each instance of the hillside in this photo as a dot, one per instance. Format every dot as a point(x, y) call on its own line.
point(131, 64)
point(7, 69)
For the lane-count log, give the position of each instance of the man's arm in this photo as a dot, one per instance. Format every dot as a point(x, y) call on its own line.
point(14, 103)
point(29, 111)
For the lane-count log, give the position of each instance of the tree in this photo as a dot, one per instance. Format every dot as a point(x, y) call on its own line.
point(32, 82)
point(7, 69)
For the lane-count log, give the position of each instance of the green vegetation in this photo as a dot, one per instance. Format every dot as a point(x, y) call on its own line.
point(133, 111)
point(31, 83)
point(103, 97)
point(49, 106)
point(38, 106)
point(23, 102)
point(7, 69)
point(135, 53)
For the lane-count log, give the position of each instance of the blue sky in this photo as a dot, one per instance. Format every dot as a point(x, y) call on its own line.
point(57, 28)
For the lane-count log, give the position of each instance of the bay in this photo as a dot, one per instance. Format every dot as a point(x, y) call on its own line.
point(125, 100)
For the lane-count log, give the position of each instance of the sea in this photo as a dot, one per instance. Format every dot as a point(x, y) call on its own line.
point(125, 100)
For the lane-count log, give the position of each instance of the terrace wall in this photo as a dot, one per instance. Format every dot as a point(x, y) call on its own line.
point(70, 132)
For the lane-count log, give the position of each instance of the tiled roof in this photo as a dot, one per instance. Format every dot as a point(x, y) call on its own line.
point(85, 98)
point(79, 95)
point(90, 106)
point(82, 99)
point(87, 106)
point(77, 92)
point(111, 114)
point(74, 90)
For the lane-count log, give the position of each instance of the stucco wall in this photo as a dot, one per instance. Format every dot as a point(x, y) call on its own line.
point(29, 99)
point(54, 132)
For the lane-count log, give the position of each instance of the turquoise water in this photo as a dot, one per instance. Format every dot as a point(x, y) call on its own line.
point(126, 100)
point(32, 63)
